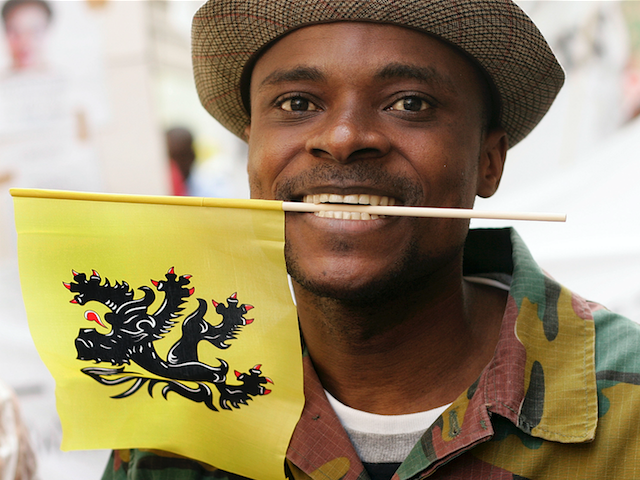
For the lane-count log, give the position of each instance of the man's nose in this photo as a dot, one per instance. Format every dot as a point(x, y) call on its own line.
point(348, 135)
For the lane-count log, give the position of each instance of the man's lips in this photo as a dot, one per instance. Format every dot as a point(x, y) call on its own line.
point(350, 199)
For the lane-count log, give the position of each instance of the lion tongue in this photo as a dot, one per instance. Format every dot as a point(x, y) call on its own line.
point(93, 317)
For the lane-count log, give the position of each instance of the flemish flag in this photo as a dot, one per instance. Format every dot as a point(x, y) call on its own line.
point(166, 322)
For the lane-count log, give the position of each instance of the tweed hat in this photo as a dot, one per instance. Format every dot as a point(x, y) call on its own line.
point(228, 35)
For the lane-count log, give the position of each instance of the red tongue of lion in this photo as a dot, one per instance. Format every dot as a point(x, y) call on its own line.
point(93, 317)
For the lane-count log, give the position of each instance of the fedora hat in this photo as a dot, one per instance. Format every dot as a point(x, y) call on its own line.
point(229, 35)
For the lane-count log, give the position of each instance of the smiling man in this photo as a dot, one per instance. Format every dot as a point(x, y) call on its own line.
point(429, 350)
point(390, 114)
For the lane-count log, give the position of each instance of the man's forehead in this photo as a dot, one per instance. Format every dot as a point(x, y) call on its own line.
point(298, 56)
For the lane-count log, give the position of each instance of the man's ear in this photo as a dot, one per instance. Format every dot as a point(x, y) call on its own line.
point(491, 162)
point(247, 131)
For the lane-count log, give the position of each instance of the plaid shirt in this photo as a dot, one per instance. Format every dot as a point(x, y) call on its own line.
point(559, 400)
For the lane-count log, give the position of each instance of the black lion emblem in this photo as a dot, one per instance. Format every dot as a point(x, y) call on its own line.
point(134, 330)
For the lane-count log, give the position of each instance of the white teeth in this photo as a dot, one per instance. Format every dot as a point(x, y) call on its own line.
point(346, 215)
point(351, 199)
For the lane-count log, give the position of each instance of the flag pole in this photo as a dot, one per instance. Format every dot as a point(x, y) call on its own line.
point(400, 211)
point(422, 212)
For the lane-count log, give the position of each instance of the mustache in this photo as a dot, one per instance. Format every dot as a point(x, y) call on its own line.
point(353, 174)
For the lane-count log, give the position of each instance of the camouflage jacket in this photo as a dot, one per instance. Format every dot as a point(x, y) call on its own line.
point(559, 400)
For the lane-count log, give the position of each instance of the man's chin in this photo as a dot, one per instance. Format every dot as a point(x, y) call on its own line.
point(404, 277)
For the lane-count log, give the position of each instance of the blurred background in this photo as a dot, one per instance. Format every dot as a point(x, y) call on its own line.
point(98, 95)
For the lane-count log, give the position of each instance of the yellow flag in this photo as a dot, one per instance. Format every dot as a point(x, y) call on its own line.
point(166, 322)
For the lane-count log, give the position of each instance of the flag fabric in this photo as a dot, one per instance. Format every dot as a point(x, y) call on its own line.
point(166, 322)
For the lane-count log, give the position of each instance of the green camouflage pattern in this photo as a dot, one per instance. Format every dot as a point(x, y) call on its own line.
point(558, 401)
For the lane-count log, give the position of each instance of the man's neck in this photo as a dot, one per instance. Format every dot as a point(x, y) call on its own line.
point(408, 354)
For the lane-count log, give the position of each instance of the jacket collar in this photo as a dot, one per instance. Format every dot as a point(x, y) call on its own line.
point(320, 447)
point(555, 347)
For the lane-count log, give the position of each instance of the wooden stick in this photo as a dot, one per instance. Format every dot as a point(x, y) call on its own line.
point(288, 206)
point(422, 212)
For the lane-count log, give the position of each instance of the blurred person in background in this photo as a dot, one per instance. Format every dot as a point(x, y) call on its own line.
point(26, 24)
point(46, 114)
point(181, 158)
point(17, 461)
point(47, 111)
point(222, 175)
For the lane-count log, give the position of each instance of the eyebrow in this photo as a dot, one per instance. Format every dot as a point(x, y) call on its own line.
point(427, 75)
point(391, 71)
point(296, 74)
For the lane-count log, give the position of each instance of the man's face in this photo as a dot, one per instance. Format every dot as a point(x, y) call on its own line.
point(26, 27)
point(370, 113)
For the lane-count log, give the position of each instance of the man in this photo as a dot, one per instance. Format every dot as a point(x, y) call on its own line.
point(429, 350)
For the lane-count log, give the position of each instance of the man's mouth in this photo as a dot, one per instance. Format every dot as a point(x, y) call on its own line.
point(351, 199)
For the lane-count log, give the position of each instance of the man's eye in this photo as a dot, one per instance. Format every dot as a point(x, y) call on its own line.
point(410, 104)
point(298, 104)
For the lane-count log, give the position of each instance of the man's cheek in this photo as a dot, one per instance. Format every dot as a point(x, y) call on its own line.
point(256, 187)
point(256, 175)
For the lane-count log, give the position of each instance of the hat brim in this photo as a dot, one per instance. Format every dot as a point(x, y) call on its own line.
point(497, 34)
